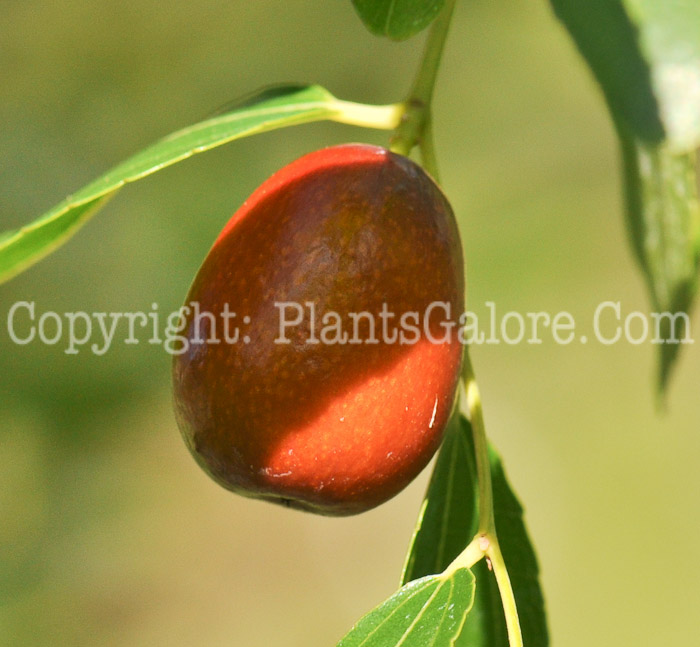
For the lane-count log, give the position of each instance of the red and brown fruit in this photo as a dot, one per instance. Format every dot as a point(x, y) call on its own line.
point(335, 428)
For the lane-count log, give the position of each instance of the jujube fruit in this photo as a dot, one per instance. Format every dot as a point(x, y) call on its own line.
point(333, 423)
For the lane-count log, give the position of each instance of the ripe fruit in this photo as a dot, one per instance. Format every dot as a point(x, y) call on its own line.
point(335, 428)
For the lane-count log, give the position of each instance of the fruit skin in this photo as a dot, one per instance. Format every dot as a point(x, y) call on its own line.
point(334, 429)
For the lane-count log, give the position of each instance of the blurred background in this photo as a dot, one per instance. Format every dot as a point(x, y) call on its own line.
point(109, 532)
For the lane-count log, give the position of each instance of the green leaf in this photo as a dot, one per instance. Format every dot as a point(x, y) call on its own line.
point(448, 519)
point(397, 19)
point(447, 523)
point(428, 612)
point(663, 216)
point(646, 56)
point(270, 109)
point(23, 247)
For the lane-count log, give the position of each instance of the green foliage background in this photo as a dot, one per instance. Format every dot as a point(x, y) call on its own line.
point(109, 532)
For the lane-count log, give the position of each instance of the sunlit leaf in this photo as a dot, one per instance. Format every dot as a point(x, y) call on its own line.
point(646, 57)
point(429, 611)
point(663, 215)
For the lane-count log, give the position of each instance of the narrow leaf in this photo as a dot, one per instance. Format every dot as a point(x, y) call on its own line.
point(448, 518)
point(646, 56)
point(447, 523)
point(663, 216)
point(397, 19)
point(21, 248)
point(270, 109)
point(428, 612)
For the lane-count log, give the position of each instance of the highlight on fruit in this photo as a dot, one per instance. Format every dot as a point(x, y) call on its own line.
point(349, 233)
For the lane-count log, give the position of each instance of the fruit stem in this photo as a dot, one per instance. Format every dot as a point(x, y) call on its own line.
point(486, 539)
point(417, 106)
